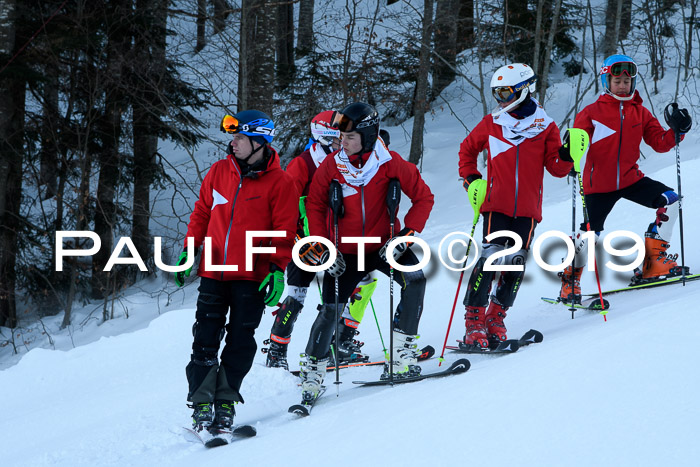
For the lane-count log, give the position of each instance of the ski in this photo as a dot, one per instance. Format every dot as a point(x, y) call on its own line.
point(648, 285)
point(508, 346)
point(460, 366)
point(427, 353)
point(592, 303)
point(303, 409)
point(222, 437)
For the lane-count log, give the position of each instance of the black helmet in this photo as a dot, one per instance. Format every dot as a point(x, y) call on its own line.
point(362, 118)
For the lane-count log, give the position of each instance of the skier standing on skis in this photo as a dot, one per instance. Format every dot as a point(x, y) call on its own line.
point(364, 167)
point(522, 140)
point(324, 140)
point(246, 191)
point(616, 123)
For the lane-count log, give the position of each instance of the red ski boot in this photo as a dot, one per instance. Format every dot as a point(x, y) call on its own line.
point(475, 321)
point(494, 322)
point(570, 289)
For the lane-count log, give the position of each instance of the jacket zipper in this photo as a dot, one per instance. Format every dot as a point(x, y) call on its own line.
point(490, 186)
point(517, 160)
point(619, 146)
point(362, 202)
point(230, 224)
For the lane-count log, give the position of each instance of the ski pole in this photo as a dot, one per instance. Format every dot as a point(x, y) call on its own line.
point(459, 285)
point(668, 112)
point(573, 238)
point(603, 312)
point(371, 303)
point(393, 197)
point(335, 198)
point(578, 145)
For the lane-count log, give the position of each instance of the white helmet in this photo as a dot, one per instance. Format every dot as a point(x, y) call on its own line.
point(512, 83)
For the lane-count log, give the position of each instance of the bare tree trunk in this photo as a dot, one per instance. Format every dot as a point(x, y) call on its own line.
point(595, 53)
point(201, 25)
point(612, 27)
point(257, 62)
point(12, 102)
point(420, 104)
point(548, 51)
point(221, 12)
point(689, 44)
point(305, 35)
point(285, 43)
point(625, 19)
point(479, 48)
point(110, 135)
point(465, 25)
point(538, 38)
point(49, 153)
point(147, 111)
point(445, 44)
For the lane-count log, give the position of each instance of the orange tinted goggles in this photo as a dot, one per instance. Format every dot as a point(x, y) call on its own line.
point(229, 124)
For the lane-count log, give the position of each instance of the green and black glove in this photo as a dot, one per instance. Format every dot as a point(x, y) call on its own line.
point(273, 284)
point(180, 276)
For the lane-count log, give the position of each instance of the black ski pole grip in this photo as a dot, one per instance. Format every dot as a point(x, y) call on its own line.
point(335, 199)
point(393, 197)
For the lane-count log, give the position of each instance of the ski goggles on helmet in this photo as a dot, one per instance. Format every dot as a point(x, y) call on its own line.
point(231, 125)
point(620, 68)
point(346, 124)
point(505, 94)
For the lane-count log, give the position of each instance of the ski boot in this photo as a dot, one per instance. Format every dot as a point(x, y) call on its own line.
point(203, 415)
point(476, 335)
point(312, 372)
point(405, 356)
point(495, 315)
point(658, 264)
point(277, 355)
point(223, 415)
point(349, 349)
point(570, 292)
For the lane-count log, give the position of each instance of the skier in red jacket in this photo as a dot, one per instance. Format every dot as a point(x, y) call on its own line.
point(616, 123)
point(246, 191)
point(364, 167)
point(522, 141)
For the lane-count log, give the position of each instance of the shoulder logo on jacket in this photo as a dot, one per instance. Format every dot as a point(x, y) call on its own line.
point(601, 131)
point(497, 146)
point(218, 199)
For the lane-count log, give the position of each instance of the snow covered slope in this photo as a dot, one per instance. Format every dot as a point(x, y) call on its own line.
point(621, 392)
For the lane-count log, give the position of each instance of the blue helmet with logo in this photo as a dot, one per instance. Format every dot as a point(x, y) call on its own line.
point(253, 123)
point(617, 65)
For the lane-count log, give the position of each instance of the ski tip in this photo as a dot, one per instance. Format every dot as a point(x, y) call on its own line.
point(216, 442)
point(460, 366)
point(247, 431)
point(533, 334)
point(299, 410)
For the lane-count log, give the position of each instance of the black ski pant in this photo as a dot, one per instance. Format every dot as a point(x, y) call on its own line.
point(244, 305)
point(408, 311)
point(646, 191)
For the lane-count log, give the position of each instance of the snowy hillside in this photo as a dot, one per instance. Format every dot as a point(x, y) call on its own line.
point(621, 392)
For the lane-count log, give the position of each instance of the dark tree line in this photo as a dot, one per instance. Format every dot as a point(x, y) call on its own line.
point(88, 88)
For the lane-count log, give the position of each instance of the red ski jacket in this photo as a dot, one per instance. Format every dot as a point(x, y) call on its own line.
point(616, 129)
point(230, 205)
point(365, 209)
point(515, 173)
point(302, 169)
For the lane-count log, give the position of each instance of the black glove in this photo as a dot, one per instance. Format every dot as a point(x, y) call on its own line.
point(401, 248)
point(468, 181)
point(564, 153)
point(678, 119)
point(338, 267)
